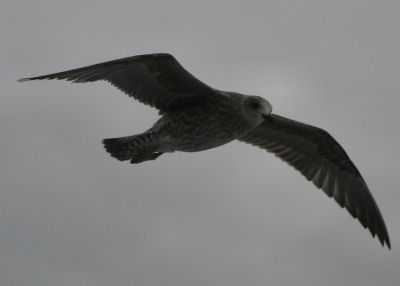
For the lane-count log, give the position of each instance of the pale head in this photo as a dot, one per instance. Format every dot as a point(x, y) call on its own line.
point(258, 108)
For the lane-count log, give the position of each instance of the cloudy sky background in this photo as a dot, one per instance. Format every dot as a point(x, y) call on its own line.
point(235, 215)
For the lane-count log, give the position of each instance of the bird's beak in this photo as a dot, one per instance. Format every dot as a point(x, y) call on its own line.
point(268, 117)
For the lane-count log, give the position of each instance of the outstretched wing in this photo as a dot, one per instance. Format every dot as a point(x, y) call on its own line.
point(157, 80)
point(315, 153)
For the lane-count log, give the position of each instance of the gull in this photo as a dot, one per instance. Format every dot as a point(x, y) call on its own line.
point(197, 117)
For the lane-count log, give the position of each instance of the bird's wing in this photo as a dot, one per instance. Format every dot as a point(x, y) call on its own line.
point(318, 156)
point(157, 80)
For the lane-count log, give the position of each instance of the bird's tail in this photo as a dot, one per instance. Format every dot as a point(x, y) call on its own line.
point(136, 148)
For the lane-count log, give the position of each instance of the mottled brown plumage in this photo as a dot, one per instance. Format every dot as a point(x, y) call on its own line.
point(197, 117)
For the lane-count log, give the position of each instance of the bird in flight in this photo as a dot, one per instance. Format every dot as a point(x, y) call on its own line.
point(197, 117)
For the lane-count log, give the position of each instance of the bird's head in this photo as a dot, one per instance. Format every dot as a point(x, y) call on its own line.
point(258, 107)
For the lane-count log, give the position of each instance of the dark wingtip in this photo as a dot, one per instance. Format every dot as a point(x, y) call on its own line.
point(387, 240)
point(31, 78)
point(383, 237)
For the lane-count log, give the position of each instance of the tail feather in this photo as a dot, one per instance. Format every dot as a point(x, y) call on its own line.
point(117, 148)
point(131, 147)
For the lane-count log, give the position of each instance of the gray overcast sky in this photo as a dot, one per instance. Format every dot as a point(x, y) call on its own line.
point(235, 215)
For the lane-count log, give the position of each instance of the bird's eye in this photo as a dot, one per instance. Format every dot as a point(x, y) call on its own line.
point(255, 105)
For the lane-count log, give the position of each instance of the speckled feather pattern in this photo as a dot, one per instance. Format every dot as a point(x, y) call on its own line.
point(198, 128)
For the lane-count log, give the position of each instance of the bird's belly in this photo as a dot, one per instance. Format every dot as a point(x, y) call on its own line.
point(191, 132)
point(198, 142)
